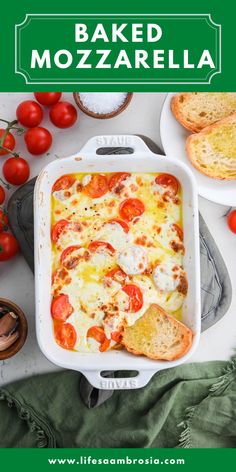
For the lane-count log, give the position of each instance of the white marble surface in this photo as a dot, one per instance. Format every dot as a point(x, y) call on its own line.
point(16, 279)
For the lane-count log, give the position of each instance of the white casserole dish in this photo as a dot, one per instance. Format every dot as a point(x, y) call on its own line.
point(142, 160)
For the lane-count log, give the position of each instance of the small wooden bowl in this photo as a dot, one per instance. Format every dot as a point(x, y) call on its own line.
point(104, 116)
point(23, 330)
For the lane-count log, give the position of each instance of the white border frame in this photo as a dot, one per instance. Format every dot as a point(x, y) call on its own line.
point(207, 16)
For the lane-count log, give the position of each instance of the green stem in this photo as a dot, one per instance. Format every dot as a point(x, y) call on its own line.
point(5, 184)
point(5, 121)
point(228, 211)
point(9, 151)
point(10, 124)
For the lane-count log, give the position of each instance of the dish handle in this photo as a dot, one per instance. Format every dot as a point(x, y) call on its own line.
point(119, 383)
point(125, 141)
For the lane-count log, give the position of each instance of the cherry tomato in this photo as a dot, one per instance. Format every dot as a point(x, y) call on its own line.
point(231, 220)
point(9, 142)
point(123, 224)
point(8, 246)
point(72, 262)
point(117, 178)
point(57, 229)
point(29, 113)
point(2, 194)
point(97, 333)
point(3, 221)
point(169, 182)
point(131, 208)
point(61, 308)
point(96, 245)
point(135, 297)
point(63, 183)
point(38, 140)
point(65, 335)
point(16, 170)
point(179, 231)
point(97, 187)
point(47, 98)
point(117, 274)
point(63, 114)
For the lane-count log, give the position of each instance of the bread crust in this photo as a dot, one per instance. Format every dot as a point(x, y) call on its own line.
point(197, 125)
point(207, 131)
point(187, 337)
point(175, 108)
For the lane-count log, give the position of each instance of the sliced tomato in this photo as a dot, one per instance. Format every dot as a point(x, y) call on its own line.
point(61, 308)
point(117, 274)
point(97, 245)
point(57, 229)
point(67, 252)
point(135, 297)
point(63, 183)
point(105, 345)
point(169, 182)
point(117, 178)
point(97, 187)
point(116, 336)
point(131, 208)
point(65, 335)
point(97, 333)
point(124, 225)
point(179, 231)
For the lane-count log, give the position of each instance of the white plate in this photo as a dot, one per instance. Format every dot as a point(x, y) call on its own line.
point(173, 137)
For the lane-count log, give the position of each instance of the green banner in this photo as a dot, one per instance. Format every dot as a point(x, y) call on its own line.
point(149, 46)
point(122, 49)
point(186, 460)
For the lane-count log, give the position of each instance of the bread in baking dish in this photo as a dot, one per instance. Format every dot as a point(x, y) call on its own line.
point(158, 335)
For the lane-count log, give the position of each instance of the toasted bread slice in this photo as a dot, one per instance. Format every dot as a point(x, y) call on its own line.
point(197, 110)
point(213, 150)
point(157, 335)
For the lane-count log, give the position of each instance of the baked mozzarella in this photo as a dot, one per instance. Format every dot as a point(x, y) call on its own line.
point(114, 233)
point(167, 276)
point(117, 248)
point(133, 260)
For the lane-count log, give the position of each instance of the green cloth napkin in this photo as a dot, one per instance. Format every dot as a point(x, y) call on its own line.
point(193, 406)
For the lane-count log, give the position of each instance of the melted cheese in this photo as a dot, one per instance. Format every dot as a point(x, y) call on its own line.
point(167, 276)
point(129, 187)
point(64, 196)
point(114, 234)
point(144, 253)
point(70, 237)
point(133, 260)
point(166, 235)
